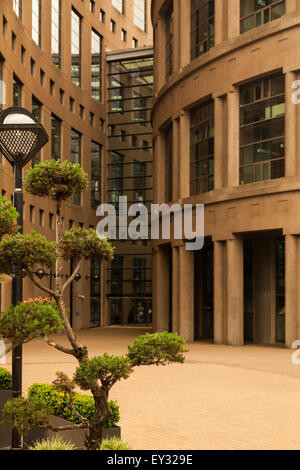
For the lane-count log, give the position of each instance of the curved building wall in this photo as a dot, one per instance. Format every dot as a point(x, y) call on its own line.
point(224, 96)
point(78, 111)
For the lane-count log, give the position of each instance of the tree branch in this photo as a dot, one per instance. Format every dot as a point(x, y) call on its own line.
point(72, 277)
point(6, 350)
point(40, 286)
point(69, 427)
point(63, 349)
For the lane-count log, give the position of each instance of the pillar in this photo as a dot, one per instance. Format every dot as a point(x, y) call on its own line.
point(219, 21)
point(159, 169)
point(233, 129)
point(290, 127)
point(186, 293)
point(175, 289)
point(185, 34)
point(291, 287)
point(233, 18)
point(161, 289)
point(184, 162)
point(235, 297)
point(220, 143)
point(219, 292)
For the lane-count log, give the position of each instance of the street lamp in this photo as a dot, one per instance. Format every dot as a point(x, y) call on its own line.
point(21, 137)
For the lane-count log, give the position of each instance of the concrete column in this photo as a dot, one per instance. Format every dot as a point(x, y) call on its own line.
point(161, 289)
point(233, 158)
point(176, 159)
point(233, 18)
point(235, 297)
point(220, 143)
point(175, 289)
point(291, 6)
point(291, 288)
point(160, 54)
point(186, 293)
point(159, 169)
point(219, 21)
point(219, 292)
point(185, 34)
point(184, 163)
point(290, 127)
point(263, 290)
point(176, 34)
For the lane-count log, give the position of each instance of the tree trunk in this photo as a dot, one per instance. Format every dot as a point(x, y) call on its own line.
point(94, 435)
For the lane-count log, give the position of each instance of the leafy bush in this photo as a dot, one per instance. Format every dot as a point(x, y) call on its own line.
point(25, 413)
point(5, 379)
point(56, 180)
point(25, 251)
point(56, 443)
point(8, 217)
point(157, 348)
point(30, 319)
point(84, 243)
point(84, 404)
point(114, 444)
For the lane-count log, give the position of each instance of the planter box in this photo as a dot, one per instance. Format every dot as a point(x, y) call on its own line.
point(5, 431)
point(77, 436)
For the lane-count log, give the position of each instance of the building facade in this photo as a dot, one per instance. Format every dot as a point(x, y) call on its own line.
point(53, 63)
point(226, 120)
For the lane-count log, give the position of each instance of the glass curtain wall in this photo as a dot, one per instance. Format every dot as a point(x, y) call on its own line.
point(130, 173)
point(56, 32)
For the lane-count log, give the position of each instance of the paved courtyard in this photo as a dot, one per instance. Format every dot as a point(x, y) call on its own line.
point(222, 398)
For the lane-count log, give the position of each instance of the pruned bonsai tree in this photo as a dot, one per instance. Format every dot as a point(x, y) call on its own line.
point(59, 181)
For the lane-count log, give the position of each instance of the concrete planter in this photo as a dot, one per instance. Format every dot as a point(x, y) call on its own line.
point(5, 431)
point(77, 436)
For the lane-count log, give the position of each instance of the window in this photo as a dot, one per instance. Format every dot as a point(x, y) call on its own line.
point(280, 289)
point(56, 32)
point(95, 175)
point(169, 163)
point(55, 137)
point(134, 43)
point(116, 96)
point(202, 26)
point(37, 114)
point(37, 21)
point(262, 129)
point(32, 66)
point(202, 148)
point(92, 6)
point(81, 111)
point(112, 26)
point(42, 77)
point(116, 178)
point(23, 54)
point(119, 5)
point(139, 275)
point(95, 294)
point(123, 35)
point(72, 101)
point(13, 40)
point(17, 6)
point(139, 180)
point(169, 41)
point(17, 91)
point(92, 118)
point(76, 48)
point(41, 217)
point(116, 275)
point(102, 16)
point(139, 107)
point(51, 221)
point(75, 157)
point(139, 14)
point(61, 96)
point(254, 13)
point(96, 81)
point(51, 87)
point(101, 124)
point(31, 214)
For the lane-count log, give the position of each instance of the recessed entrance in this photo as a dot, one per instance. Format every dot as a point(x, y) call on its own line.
point(204, 293)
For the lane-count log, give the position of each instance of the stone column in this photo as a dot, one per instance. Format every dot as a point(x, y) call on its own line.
point(219, 291)
point(176, 34)
point(219, 21)
point(185, 35)
point(220, 143)
point(184, 160)
point(235, 295)
point(291, 287)
point(291, 5)
point(161, 289)
point(159, 169)
point(175, 289)
point(233, 158)
point(176, 159)
point(186, 293)
point(290, 126)
point(160, 54)
point(233, 18)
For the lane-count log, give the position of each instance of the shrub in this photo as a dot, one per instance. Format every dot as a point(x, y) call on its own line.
point(8, 217)
point(84, 404)
point(52, 444)
point(114, 444)
point(5, 379)
point(84, 243)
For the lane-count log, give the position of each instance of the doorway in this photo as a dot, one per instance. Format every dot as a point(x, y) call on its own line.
point(204, 293)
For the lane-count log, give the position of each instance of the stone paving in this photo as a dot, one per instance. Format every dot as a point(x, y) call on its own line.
point(222, 398)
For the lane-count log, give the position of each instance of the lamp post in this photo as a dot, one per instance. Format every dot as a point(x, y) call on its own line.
point(21, 137)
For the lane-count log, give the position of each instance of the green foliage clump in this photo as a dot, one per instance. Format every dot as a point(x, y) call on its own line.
point(56, 443)
point(8, 217)
point(56, 180)
point(85, 243)
point(25, 413)
point(58, 401)
point(30, 319)
point(108, 369)
point(157, 348)
point(114, 443)
point(25, 251)
point(5, 379)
